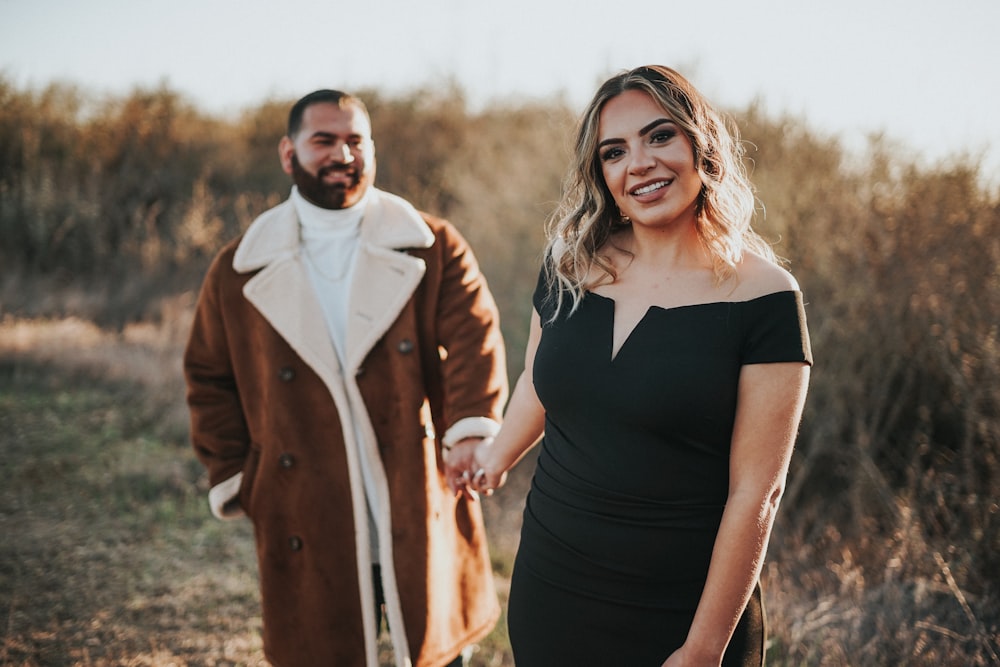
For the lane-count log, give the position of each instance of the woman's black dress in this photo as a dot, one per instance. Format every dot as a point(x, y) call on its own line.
point(633, 476)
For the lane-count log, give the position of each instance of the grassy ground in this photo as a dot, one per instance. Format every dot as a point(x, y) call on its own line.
point(109, 556)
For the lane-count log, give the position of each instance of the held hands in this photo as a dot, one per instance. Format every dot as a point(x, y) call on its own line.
point(470, 470)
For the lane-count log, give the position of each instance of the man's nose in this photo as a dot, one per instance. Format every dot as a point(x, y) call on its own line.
point(342, 153)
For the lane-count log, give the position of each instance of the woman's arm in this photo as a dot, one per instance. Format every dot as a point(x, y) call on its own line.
point(770, 401)
point(523, 424)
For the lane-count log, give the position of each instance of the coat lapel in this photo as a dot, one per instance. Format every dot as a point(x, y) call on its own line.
point(282, 292)
point(384, 281)
point(284, 296)
point(384, 278)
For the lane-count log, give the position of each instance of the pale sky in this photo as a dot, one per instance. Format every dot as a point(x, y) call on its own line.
point(924, 73)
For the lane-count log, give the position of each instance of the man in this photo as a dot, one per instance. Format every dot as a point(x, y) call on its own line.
point(339, 348)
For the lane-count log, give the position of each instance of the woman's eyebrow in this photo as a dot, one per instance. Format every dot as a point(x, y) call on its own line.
point(651, 126)
point(646, 129)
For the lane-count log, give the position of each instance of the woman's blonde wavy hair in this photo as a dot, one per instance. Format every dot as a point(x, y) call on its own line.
point(587, 215)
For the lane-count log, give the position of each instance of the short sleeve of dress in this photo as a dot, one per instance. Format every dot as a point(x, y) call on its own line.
point(543, 299)
point(775, 329)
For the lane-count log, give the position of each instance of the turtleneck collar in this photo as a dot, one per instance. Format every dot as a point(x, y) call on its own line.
point(323, 221)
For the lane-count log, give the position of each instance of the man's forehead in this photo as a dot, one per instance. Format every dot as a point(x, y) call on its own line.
point(323, 116)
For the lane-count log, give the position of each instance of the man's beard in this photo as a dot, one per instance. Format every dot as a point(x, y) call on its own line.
point(334, 196)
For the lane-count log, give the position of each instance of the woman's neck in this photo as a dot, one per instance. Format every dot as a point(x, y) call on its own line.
point(673, 248)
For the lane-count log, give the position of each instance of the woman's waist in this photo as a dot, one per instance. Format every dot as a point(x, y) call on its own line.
point(583, 491)
point(651, 563)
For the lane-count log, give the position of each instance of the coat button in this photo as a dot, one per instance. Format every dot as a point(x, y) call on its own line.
point(286, 460)
point(405, 346)
point(286, 374)
point(295, 543)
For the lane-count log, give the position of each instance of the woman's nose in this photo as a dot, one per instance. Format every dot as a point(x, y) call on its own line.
point(642, 161)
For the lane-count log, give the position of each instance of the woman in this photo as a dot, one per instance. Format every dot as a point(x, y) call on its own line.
point(667, 366)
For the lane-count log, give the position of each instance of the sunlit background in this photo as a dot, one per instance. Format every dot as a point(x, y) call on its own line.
point(921, 72)
point(137, 137)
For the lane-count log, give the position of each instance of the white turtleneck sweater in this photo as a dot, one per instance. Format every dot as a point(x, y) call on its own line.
point(330, 239)
point(330, 243)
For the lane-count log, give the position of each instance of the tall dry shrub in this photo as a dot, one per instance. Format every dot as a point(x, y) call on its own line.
point(44, 188)
point(417, 136)
point(148, 150)
point(494, 173)
point(508, 178)
point(108, 204)
point(891, 517)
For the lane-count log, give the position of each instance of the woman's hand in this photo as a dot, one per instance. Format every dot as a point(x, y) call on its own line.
point(459, 465)
point(488, 474)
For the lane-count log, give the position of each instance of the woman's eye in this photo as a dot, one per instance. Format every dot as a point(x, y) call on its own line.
point(611, 154)
point(662, 136)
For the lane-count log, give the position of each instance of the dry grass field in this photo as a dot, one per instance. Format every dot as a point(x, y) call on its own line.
point(107, 556)
point(110, 557)
point(886, 549)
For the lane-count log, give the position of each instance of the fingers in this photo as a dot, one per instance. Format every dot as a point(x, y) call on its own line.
point(458, 459)
point(460, 484)
point(481, 484)
point(467, 488)
point(465, 471)
point(471, 484)
point(485, 483)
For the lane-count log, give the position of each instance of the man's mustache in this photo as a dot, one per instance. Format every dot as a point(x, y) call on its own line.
point(337, 168)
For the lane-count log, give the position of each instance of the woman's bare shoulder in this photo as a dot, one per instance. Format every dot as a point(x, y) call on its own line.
point(757, 276)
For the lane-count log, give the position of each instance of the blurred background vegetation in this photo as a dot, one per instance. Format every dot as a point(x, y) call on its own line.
point(887, 547)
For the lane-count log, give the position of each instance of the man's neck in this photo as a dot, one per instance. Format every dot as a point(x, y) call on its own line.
point(312, 215)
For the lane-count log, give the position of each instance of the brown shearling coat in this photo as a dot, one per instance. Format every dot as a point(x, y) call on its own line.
point(268, 401)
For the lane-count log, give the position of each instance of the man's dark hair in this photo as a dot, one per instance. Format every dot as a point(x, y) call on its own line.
point(327, 96)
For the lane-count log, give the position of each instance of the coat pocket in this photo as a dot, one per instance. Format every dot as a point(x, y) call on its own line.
point(250, 467)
